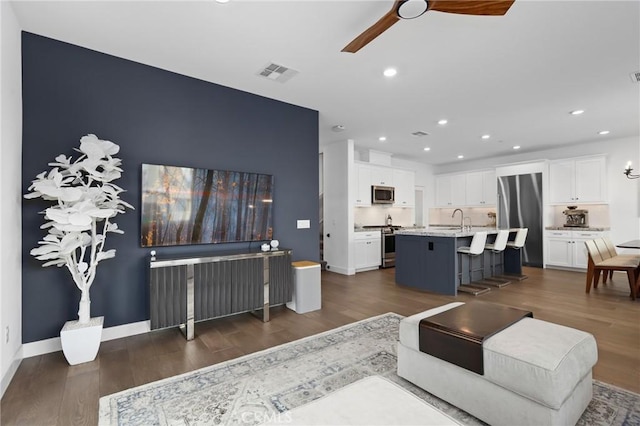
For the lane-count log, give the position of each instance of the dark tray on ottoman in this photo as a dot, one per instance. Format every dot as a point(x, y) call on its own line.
point(456, 335)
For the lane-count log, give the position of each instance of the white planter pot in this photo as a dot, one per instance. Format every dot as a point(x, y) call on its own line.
point(80, 342)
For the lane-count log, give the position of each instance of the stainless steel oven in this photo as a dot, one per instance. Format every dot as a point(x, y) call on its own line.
point(388, 247)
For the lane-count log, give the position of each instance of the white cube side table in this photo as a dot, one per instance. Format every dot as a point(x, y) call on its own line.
point(307, 294)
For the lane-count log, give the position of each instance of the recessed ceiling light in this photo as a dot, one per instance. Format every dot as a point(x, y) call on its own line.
point(442, 122)
point(485, 136)
point(577, 112)
point(516, 147)
point(603, 132)
point(426, 148)
point(390, 72)
point(382, 138)
point(338, 128)
point(460, 157)
point(222, 1)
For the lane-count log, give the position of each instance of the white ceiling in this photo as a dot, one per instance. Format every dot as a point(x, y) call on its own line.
point(515, 77)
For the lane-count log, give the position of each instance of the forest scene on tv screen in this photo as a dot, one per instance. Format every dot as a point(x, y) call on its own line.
point(182, 205)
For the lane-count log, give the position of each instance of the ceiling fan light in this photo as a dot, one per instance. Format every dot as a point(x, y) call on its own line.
point(410, 9)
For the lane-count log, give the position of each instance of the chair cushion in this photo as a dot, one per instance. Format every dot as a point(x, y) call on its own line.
point(619, 262)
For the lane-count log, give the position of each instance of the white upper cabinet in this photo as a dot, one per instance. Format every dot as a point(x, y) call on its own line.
point(363, 185)
point(381, 175)
point(404, 183)
point(451, 190)
point(578, 180)
point(367, 175)
point(481, 188)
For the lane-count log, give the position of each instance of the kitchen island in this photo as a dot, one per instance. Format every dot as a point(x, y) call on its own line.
point(427, 259)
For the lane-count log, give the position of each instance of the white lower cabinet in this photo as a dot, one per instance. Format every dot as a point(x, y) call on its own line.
point(368, 246)
point(566, 249)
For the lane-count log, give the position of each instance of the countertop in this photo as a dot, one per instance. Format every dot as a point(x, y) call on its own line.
point(378, 228)
point(446, 232)
point(434, 228)
point(576, 228)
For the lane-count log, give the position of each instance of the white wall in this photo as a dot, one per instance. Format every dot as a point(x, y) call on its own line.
point(10, 188)
point(339, 181)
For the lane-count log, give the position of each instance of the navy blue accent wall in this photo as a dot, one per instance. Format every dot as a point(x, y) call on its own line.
point(156, 117)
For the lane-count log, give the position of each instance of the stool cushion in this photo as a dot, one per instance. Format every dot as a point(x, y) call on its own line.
point(536, 359)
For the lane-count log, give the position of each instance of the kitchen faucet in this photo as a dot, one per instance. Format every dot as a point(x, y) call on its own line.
point(461, 218)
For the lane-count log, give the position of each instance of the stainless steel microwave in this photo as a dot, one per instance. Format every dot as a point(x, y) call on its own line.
point(382, 194)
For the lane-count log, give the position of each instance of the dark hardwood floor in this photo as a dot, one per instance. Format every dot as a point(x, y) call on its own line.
point(46, 390)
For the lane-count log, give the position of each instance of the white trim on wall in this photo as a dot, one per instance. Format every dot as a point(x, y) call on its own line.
point(538, 166)
point(10, 193)
point(110, 333)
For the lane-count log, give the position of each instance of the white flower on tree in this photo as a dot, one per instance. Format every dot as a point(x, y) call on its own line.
point(85, 203)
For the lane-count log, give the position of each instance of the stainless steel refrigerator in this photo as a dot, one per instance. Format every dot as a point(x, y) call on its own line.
point(520, 206)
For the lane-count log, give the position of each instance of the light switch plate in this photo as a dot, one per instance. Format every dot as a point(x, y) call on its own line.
point(304, 224)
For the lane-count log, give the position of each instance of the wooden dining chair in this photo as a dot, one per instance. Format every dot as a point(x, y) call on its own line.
point(614, 252)
point(602, 261)
point(606, 253)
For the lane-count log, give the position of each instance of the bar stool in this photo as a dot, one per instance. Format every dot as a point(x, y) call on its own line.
point(476, 248)
point(497, 247)
point(518, 244)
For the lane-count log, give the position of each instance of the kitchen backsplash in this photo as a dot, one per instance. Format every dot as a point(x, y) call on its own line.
point(480, 216)
point(377, 215)
point(598, 215)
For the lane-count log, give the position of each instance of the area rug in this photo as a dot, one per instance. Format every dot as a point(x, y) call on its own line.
point(259, 386)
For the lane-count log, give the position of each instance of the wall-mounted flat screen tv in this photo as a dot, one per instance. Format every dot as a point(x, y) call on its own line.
point(182, 205)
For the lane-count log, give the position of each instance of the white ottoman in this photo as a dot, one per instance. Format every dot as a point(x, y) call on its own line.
point(535, 372)
point(371, 401)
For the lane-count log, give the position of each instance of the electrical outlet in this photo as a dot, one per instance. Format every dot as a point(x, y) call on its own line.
point(6, 334)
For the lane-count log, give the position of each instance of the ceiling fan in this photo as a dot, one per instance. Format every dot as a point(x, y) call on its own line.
point(409, 9)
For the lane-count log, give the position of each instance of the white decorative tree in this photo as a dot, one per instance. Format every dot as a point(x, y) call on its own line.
point(78, 222)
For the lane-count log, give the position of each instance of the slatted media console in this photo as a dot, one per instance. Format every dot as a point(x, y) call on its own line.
point(188, 289)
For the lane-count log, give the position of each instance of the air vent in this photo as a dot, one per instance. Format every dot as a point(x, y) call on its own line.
point(420, 133)
point(277, 72)
point(635, 76)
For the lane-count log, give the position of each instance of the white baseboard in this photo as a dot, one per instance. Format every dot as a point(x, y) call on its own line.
point(110, 333)
point(341, 270)
point(126, 330)
point(11, 371)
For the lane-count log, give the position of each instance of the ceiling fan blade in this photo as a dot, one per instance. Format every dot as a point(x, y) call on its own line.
point(383, 24)
point(471, 7)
